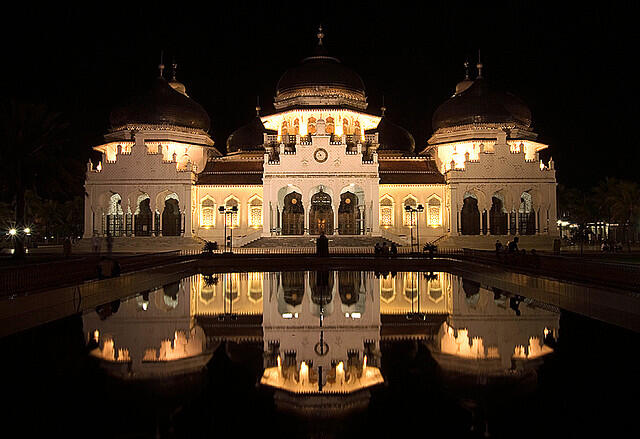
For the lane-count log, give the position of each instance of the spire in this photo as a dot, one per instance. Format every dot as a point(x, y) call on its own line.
point(466, 70)
point(479, 65)
point(383, 108)
point(161, 65)
point(258, 106)
point(174, 68)
point(320, 35)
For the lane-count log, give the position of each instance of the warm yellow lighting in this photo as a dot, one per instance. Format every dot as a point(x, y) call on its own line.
point(27, 230)
point(13, 232)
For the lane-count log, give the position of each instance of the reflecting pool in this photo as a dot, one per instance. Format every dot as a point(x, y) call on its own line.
point(322, 353)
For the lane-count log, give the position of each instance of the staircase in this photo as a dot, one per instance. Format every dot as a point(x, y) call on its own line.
point(310, 241)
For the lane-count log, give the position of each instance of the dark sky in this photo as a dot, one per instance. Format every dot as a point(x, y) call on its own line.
point(572, 63)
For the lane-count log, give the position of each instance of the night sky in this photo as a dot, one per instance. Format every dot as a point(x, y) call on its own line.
point(572, 64)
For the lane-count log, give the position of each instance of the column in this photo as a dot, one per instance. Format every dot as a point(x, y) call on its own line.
point(488, 221)
point(335, 218)
point(307, 208)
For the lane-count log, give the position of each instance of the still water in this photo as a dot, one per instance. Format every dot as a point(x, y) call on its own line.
point(323, 354)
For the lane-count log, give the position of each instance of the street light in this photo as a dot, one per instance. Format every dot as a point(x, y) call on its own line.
point(411, 210)
point(224, 211)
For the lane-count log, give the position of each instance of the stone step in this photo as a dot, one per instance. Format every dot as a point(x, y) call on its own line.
point(310, 241)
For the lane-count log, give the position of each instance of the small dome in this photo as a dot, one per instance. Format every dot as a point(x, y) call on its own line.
point(249, 137)
point(162, 105)
point(480, 103)
point(392, 137)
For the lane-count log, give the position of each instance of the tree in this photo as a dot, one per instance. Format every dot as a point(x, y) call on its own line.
point(32, 156)
point(625, 206)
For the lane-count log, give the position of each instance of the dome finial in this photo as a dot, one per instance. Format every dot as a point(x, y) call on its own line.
point(466, 70)
point(320, 35)
point(258, 106)
point(161, 65)
point(174, 68)
point(479, 65)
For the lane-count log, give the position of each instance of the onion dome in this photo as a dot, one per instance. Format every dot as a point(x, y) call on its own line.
point(161, 105)
point(479, 103)
point(320, 80)
point(249, 137)
point(392, 137)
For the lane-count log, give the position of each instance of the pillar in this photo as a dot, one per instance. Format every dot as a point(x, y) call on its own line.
point(306, 204)
point(335, 217)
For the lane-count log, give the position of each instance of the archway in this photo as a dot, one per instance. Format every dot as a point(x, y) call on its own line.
point(171, 217)
point(349, 286)
point(321, 214)
point(321, 283)
point(470, 216)
point(349, 215)
point(115, 217)
point(293, 287)
point(526, 215)
point(498, 216)
point(293, 214)
point(143, 218)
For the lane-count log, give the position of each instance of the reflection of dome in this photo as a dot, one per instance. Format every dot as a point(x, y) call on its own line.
point(320, 80)
point(249, 137)
point(162, 105)
point(392, 137)
point(481, 103)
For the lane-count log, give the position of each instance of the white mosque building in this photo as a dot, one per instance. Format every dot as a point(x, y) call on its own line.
point(322, 162)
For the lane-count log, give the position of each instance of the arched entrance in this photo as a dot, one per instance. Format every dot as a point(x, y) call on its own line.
point(143, 218)
point(349, 286)
point(498, 216)
point(115, 217)
point(293, 214)
point(349, 220)
point(293, 287)
point(526, 215)
point(171, 217)
point(470, 216)
point(321, 214)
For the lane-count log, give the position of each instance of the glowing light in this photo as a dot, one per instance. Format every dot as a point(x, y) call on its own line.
point(27, 230)
point(287, 315)
point(13, 232)
point(356, 315)
point(145, 305)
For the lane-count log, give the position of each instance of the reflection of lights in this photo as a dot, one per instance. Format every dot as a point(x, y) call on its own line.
point(145, 305)
point(287, 315)
point(356, 315)
point(546, 332)
point(96, 335)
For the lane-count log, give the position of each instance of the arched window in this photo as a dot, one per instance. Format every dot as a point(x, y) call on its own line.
point(285, 128)
point(233, 219)
point(409, 218)
point(345, 126)
point(434, 212)
point(296, 126)
point(255, 212)
point(208, 213)
point(356, 129)
point(387, 287)
point(311, 125)
point(411, 285)
point(255, 286)
point(386, 212)
point(331, 125)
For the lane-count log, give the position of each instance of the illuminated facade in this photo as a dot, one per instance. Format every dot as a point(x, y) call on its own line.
point(321, 163)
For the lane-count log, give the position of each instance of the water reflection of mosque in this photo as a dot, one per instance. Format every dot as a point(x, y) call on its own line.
point(322, 331)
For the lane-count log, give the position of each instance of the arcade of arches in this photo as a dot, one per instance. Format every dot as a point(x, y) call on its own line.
point(499, 221)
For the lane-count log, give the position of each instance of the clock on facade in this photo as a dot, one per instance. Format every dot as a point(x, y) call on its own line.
point(320, 155)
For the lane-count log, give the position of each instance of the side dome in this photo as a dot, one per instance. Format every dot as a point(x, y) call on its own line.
point(392, 137)
point(320, 80)
point(161, 105)
point(480, 103)
point(249, 137)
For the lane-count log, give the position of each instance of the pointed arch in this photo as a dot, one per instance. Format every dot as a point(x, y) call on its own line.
point(408, 218)
point(387, 208)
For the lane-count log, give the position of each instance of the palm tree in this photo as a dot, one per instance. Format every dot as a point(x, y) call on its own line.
point(32, 156)
point(625, 206)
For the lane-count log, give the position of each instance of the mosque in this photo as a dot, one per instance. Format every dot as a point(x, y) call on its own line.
point(321, 163)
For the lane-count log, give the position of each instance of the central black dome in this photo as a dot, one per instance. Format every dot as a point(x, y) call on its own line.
point(161, 105)
point(481, 103)
point(320, 71)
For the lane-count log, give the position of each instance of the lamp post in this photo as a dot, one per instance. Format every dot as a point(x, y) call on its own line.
point(225, 211)
point(411, 211)
point(419, 208)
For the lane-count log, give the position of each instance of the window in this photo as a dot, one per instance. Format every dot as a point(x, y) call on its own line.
point(409, 218)
point(434, 212)
point(331, 125)
point(255, 212)
point(311, 125)
point(386, 212)
point(255, 286)
point(207, 213)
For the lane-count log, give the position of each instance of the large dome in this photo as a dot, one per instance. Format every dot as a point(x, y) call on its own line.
point(480, 103)
point(320, 80)
point(161, 105)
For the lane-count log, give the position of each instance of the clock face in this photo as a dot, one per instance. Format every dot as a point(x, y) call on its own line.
point(320, 155)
